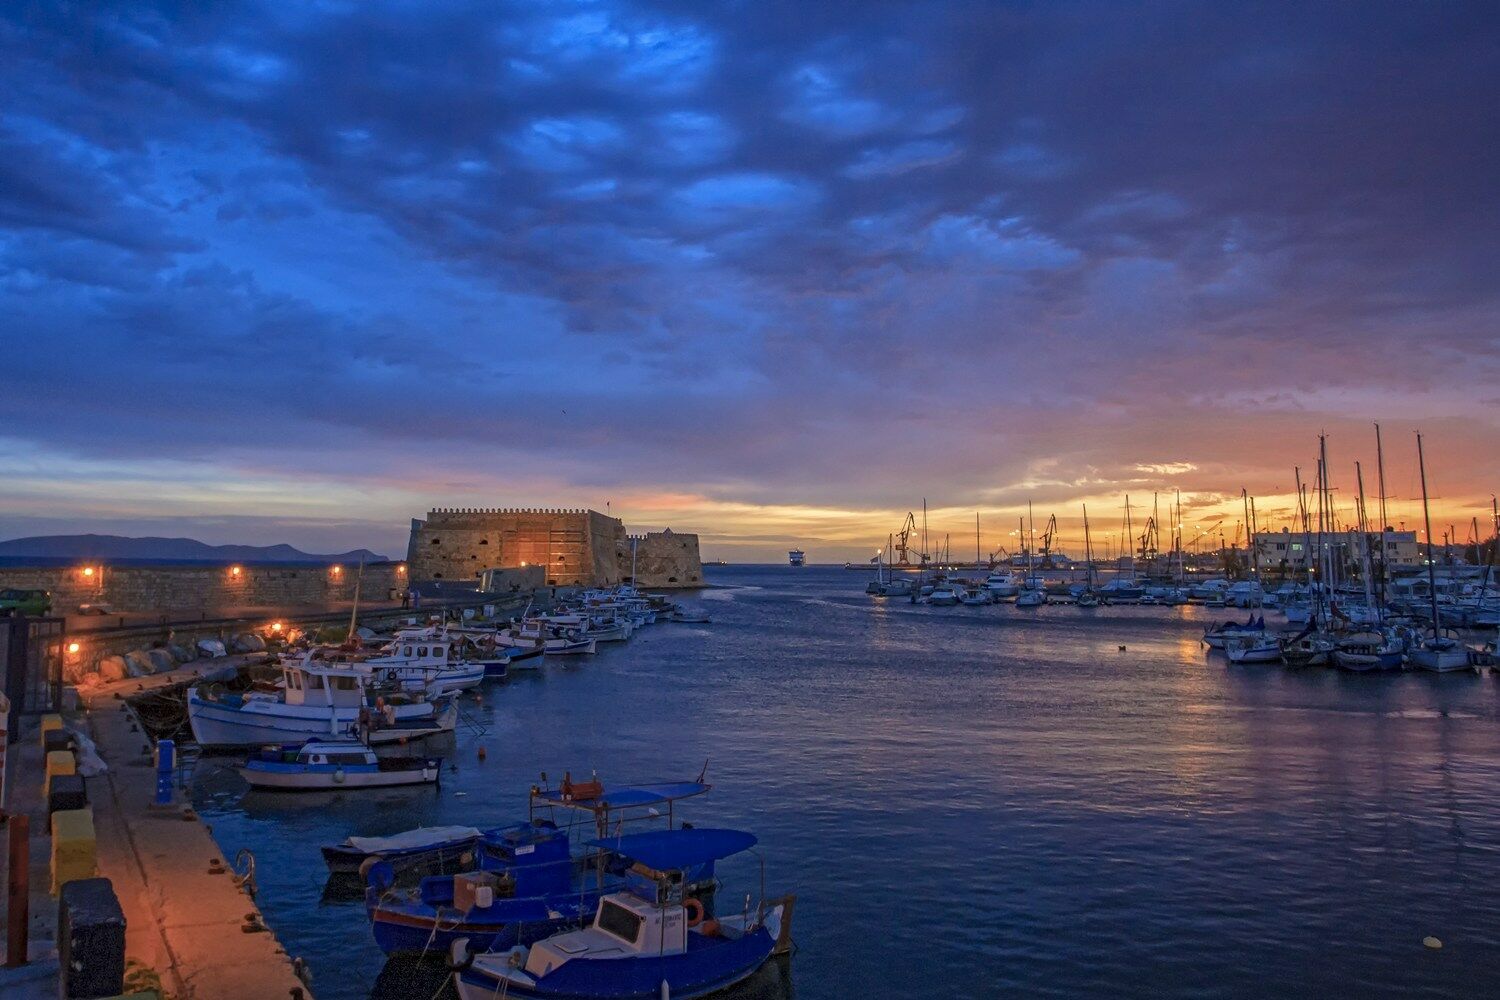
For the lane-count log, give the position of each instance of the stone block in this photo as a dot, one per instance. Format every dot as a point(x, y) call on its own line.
point(138, 664)
point(65, 792)
point(59, 762)
point(74, 851)
point(49, 723)
point(162, 660)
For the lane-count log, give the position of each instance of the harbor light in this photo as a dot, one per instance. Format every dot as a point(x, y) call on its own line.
point(73, 648)
point(276, 626)
point(337, 570)
point(401, 569)
point(234, 571)
point(88, 571)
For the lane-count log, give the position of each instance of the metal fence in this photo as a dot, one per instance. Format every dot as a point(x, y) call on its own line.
point(31, 661)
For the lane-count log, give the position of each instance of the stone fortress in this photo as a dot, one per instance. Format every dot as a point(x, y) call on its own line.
point(572, 548)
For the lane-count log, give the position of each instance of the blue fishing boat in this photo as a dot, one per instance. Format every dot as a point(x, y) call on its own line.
point(535, 885)
point(647, 940)
point(523, 888)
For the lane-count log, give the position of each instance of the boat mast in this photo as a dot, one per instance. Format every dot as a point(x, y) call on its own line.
point(1088, 549)
point(1427, 518)
point(1031, 541)
point(976, 539)
point(1364, 533)
point(1130, 537)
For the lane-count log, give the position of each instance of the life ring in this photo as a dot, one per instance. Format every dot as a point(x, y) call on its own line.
point(694, 911)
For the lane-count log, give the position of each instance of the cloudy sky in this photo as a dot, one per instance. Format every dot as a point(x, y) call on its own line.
point(773, 272)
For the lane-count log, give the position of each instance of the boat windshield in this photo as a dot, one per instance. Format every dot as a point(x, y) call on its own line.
point(615, 919)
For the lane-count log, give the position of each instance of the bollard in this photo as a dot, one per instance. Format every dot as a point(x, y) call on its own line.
point(18, 889)
point(166, 760)
point(90, 940)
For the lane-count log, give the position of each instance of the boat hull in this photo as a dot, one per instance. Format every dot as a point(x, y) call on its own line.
point(258, 723)
point(698, 972)
point(333, 781)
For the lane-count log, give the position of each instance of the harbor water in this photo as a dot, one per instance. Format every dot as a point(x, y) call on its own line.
point(981, 802)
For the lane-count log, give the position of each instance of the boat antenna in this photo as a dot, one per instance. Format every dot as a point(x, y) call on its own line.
point(703, 773)
point(1427, 517)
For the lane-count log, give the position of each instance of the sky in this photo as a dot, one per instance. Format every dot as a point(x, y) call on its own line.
point(771, 272)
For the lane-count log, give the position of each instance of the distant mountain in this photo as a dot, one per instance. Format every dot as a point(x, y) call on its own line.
point(118, 547)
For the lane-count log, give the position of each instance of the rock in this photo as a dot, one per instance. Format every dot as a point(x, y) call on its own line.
point(162, 660)
point(138, 664)
point(365, 633)
point(211, 648)
point(183, 654)
point(249, 642)
point(113, 668)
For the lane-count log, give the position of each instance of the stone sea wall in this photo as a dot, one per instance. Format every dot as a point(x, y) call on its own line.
point(204, 588)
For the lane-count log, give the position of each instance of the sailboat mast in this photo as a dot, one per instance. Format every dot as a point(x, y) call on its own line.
point(1130, 537)
point(1427, 518)
point(1088, 548)
point(976, 539)
point(1031, 540)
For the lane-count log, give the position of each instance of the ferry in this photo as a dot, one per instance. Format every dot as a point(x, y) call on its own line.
point(796, 557)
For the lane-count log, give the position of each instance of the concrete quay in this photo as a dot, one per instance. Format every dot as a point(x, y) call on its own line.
point(187, 919)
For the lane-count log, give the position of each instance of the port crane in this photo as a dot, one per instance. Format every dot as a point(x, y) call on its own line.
point(905, 542)
point(1047, 538)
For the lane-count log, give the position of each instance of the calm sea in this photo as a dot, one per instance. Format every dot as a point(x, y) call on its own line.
point(982, 802)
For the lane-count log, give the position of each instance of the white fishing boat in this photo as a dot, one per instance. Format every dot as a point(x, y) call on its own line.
point(977, 598)
point(432, 665)
point(315, 699)
point(332, 765)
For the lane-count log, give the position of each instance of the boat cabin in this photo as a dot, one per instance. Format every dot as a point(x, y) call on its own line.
point(624, 925)
point(323, 684)
point(342, 754)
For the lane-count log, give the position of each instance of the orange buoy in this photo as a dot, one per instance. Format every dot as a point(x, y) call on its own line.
point(481, 751)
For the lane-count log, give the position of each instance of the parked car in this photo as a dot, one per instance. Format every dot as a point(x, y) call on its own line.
point(27, 602)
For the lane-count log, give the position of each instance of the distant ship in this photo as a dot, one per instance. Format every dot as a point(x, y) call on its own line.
point(796, 557)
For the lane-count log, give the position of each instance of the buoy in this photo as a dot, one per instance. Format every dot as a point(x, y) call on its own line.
point(1432, 942)
point(1122, 649)
point(481, 751)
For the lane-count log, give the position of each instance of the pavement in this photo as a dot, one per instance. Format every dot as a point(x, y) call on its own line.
point(185, 916)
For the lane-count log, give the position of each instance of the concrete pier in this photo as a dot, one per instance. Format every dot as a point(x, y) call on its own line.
point(186, 917)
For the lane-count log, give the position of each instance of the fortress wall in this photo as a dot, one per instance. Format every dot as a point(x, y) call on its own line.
point(575, 547)
point(204, 587)
point(663, 559)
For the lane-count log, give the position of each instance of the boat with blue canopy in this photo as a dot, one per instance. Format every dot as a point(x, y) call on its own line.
point(528, 869)
point(651, 938)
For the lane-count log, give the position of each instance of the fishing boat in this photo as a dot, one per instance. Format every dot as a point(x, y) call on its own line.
point(521, 886)
point(536, 885)
point(976, 598)
point(1253, 649)
point(1122, 591)
point(427, 664)
point(649, 940)
point(316, 699)
point(684, 616)
point(430, 848)
point(554, 640)
point(334, 765)
point(796, 557)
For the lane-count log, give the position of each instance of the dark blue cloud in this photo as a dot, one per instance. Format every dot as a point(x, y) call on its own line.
point(796, 251)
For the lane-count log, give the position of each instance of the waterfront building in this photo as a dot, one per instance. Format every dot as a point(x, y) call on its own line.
point(1297, 550)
